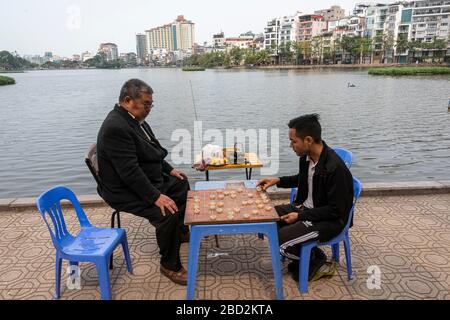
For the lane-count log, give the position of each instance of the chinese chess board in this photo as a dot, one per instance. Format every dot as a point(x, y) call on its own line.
point(225, 206)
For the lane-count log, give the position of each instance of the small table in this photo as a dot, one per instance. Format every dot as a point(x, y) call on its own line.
point(201, 226)
point(252, 162)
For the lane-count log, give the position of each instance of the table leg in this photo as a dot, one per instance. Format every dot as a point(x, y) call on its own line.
point(207, 175)
point(194, 250)
point(246, 174)
point(276, 264)
point(250, 174)
point(217, 241)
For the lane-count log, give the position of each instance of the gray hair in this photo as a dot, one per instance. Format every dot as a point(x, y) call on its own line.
point(134, 88)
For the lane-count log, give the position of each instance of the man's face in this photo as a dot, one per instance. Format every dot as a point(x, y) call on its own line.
point(141, 107)
point(300, 146)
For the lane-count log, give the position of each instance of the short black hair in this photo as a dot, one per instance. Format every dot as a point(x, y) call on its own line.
point(307, 125)
point(134, 88)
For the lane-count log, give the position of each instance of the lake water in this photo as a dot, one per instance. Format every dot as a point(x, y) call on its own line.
point(397, 128)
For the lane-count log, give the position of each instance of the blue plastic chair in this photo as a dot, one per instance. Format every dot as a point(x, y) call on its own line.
point(198, 232)
point(90, 245)
point(344, 154)
point(305, 249)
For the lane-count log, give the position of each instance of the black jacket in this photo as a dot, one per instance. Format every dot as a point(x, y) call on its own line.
point(332, 188)
point(132, 168)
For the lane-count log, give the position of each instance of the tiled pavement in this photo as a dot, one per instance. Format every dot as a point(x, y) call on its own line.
point(407, 238)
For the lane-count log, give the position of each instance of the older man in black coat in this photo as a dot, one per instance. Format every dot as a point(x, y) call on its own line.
point(137, 179)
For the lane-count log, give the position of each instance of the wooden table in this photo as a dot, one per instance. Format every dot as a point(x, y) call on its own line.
point(202, 226)
point(252, 162)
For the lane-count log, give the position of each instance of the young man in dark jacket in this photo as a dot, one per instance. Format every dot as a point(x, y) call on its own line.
point(324, 199)
point(136, 178)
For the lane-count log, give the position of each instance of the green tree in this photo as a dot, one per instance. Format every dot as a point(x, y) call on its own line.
point(236, 56)
point(317, 48)
point(12, 63)
point(401, 45)
point(285, 52)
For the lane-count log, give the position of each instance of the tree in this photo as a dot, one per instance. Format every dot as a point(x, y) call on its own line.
point(10, 62)
point(440, 46)
point(236, 56)
point(317, 48)
point(387, 45)
point(304, 50)
point(401, 45)
point(285, 52)
point(350, 46)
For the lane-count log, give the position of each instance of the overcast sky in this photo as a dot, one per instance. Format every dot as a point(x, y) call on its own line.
point(68, 27)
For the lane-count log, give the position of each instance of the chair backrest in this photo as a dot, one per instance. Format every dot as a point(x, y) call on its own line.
point(357, 188)
point(92, 163)
point(49, 205)
point(345, 155)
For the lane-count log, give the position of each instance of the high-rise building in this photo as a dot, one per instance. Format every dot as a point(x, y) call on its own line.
point(141, 48)
point(110, 50)
point(219, 40)
point(178, 35)
point(86, 56)
point(310, 25)
point(332, 14)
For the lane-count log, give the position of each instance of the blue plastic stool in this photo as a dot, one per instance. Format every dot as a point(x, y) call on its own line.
point(90, 245)
point(305, 249)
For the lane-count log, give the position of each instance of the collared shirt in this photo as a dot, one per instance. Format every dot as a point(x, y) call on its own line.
point(142, 127)
point(312, 168)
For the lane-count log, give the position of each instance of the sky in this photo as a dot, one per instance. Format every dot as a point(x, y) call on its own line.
point(67, 27)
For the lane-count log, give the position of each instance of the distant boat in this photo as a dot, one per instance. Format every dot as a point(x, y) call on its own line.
point(350, 85)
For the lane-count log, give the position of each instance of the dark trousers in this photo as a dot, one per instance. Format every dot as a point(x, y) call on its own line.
point(169, 227)
point(291, 236)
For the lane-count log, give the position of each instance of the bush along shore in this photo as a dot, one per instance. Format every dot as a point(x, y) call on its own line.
point(402, 71)
point(6, 80)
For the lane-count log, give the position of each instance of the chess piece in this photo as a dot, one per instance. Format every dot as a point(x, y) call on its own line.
point(237, 210)
point(268, 208)
point(212, 196)
point(197, 211)
point(244, 203)
point(213, 217)
point(219, 210)
point(255, 212)
point(250, 195)
point(246, 216)
point(260, 206)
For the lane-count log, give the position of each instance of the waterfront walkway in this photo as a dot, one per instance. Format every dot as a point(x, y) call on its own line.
point(407, 237)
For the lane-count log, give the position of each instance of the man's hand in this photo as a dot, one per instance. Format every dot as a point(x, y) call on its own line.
point(164, 202)
point(268, 182)
point(178, 174)
point(290, 217)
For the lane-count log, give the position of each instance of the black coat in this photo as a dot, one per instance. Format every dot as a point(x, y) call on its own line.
point(132, 169)
point(332, 188)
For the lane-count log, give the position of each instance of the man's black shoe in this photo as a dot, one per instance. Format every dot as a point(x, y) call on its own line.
point(317, 260)
point(316, 264)
point(293, 266)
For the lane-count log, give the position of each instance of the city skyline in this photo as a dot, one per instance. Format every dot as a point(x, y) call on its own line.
point(77, 26)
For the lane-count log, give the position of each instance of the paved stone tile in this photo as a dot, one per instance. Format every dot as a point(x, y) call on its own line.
point(406, 237)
